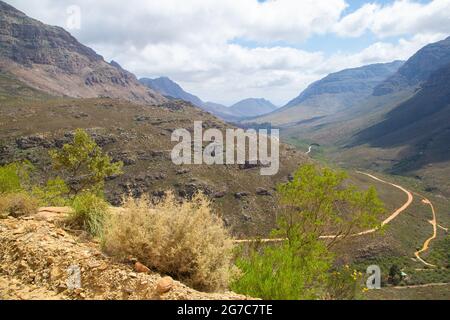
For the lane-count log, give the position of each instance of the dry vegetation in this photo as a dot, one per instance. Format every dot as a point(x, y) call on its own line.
point(185, 240)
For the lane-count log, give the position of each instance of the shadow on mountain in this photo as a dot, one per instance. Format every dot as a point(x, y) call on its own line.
point(422, 123)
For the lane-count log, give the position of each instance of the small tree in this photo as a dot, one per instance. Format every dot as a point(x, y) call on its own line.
point(320, 210)
point(84, 164)
point(320, 204)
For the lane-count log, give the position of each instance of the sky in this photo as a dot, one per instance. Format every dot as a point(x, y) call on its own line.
point(228, 50)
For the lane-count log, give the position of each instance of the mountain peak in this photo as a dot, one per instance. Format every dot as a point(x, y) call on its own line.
point(418, 68)
point(50, 59)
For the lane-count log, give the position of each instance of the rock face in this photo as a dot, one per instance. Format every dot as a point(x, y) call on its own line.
point(49, 59)
point(333, 94)
point(418, 68)
point(38, 260)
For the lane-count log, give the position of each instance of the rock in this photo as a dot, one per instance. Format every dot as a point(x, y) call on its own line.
point(219, 195)
point(182, 171)
point(164, 285)
point(140, 268)
point(263, 192)
point(240, 195)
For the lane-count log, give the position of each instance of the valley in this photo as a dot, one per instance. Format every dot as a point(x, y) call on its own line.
point(383, 128)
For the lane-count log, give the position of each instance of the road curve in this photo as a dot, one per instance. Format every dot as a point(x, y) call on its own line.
point(385, 222)
point(427, 242)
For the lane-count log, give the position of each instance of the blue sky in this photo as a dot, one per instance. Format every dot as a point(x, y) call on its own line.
point(225, 51)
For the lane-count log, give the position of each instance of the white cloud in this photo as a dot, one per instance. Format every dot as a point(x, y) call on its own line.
point(202, 43)
point(402, 17)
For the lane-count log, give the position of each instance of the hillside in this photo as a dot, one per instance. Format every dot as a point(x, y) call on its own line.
point(36, 252)
point(49, 59)
point(140, 136)
point(333, 94)
point(417, 69)
point(168, 88)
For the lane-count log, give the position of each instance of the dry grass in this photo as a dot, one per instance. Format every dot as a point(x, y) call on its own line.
point(17, 205)
point(186, 241)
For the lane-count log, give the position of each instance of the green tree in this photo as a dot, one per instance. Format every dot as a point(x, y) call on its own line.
point(320, 209)
point(319, 203)
point(84, 165)
point(15, 177)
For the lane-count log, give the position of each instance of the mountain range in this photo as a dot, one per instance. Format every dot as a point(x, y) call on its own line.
point(247, 108)
point(49, 59)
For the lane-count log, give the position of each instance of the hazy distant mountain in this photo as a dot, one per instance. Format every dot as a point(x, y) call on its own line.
point(169, 88)
point(333, 94)
point(252, 107)
point(49, 59)
point(243, 109)
point(418, 68)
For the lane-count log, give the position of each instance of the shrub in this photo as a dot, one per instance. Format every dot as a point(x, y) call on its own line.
point(344, 284)
point(14, 177)
point(17, 205)
point(84, 164)
point(89, 212)
point(53, 193)
point(315, 203)
point(186, 241)
point(284, 272)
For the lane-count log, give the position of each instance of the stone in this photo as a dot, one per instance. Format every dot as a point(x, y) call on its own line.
point(164, 285)
point(140, 268)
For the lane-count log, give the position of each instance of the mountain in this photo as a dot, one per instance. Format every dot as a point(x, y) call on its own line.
point(333, 94)
point(244, 109)
point(252, 108)
point(49, 59)
point(422, 123)
point(418, 68)
point(171, 89)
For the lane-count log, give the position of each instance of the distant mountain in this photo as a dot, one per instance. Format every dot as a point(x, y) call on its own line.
point(49, 59)
point(169, 88)
point(252, 108)
point(333, 94)
point(244, 109)
point(417, 69)
point(421, 122)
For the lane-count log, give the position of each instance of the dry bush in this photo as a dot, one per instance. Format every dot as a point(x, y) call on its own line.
point(186, 241)
point(17, 205)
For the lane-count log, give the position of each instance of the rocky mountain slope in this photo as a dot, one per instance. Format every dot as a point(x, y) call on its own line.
point(168, 88)
point(417, 69)
point(333, 94)
point(140, 136)
point(49, 59)
point(37, 252)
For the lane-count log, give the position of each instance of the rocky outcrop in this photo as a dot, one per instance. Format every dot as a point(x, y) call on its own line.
point(40, 260)
point(50, 59)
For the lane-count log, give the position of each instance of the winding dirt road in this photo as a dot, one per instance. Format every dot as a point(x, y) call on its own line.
point(394, 215)
point(426, 244)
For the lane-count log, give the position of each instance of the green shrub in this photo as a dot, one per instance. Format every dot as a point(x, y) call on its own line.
point(84, 165)
point(54, 193)
point(14, 177)
point(89, 212)
point(344, 284)
point(186, 241)
point(317, 202)
point(17, 205)
point(284, 272)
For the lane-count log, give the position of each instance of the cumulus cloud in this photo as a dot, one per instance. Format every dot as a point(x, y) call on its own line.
point(225, 51)
point(399, 18)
